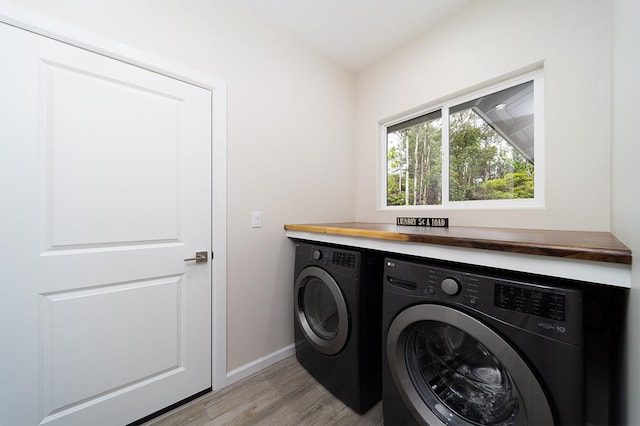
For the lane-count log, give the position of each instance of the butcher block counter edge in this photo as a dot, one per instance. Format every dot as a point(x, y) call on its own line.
point(585, 256)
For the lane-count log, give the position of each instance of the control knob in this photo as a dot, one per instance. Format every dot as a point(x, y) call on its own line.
point(317, 254)
point(451, 286)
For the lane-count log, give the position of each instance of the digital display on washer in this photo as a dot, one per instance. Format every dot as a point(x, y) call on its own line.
point(540, 303)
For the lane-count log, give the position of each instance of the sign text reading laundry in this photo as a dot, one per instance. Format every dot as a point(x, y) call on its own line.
point(439, 222)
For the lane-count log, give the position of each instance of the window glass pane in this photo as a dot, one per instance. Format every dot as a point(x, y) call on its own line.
point(414, 161)
point(491, 146)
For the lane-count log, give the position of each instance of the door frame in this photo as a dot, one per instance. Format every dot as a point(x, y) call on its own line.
point(66, 33)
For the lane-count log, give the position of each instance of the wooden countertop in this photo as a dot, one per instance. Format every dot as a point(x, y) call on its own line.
point(593, 246)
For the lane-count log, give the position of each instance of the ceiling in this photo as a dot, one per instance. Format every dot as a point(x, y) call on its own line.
point(354, 33)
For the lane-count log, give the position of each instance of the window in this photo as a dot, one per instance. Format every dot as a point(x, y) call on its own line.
point(479, 149)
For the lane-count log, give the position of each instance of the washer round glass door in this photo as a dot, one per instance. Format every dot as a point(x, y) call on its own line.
point(321, 310)
point(450, 368)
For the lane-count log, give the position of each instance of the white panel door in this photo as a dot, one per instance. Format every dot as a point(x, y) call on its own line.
point(105, 179)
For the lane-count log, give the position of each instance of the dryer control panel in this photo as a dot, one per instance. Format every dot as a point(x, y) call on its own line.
point(338, 261)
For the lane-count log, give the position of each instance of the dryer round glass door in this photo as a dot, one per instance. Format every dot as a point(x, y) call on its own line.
point(321, 310)
point(450, 368)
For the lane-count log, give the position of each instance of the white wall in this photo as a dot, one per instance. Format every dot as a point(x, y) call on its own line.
point(290, 140)
point(625, 178)
point(489, 39)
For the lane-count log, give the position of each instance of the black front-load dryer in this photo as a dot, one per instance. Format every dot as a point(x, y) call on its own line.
point(469, 347)
point(337, 322)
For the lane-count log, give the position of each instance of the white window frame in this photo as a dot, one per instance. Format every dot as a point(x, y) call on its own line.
point(539, 166)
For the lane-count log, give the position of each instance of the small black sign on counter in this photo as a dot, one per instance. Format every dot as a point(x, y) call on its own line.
point(433, 222)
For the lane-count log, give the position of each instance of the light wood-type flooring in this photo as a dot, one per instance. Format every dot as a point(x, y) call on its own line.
point(281, 395)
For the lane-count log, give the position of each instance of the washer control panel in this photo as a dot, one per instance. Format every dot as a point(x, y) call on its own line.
point(545, 304)
point(544, 307)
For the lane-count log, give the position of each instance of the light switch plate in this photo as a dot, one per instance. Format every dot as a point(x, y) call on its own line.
point(256, 220)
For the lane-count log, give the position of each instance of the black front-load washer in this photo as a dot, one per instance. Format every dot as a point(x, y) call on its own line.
point(472, 347)
point(337, 323)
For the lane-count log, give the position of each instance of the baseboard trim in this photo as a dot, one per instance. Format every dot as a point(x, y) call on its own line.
point(259, 364)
